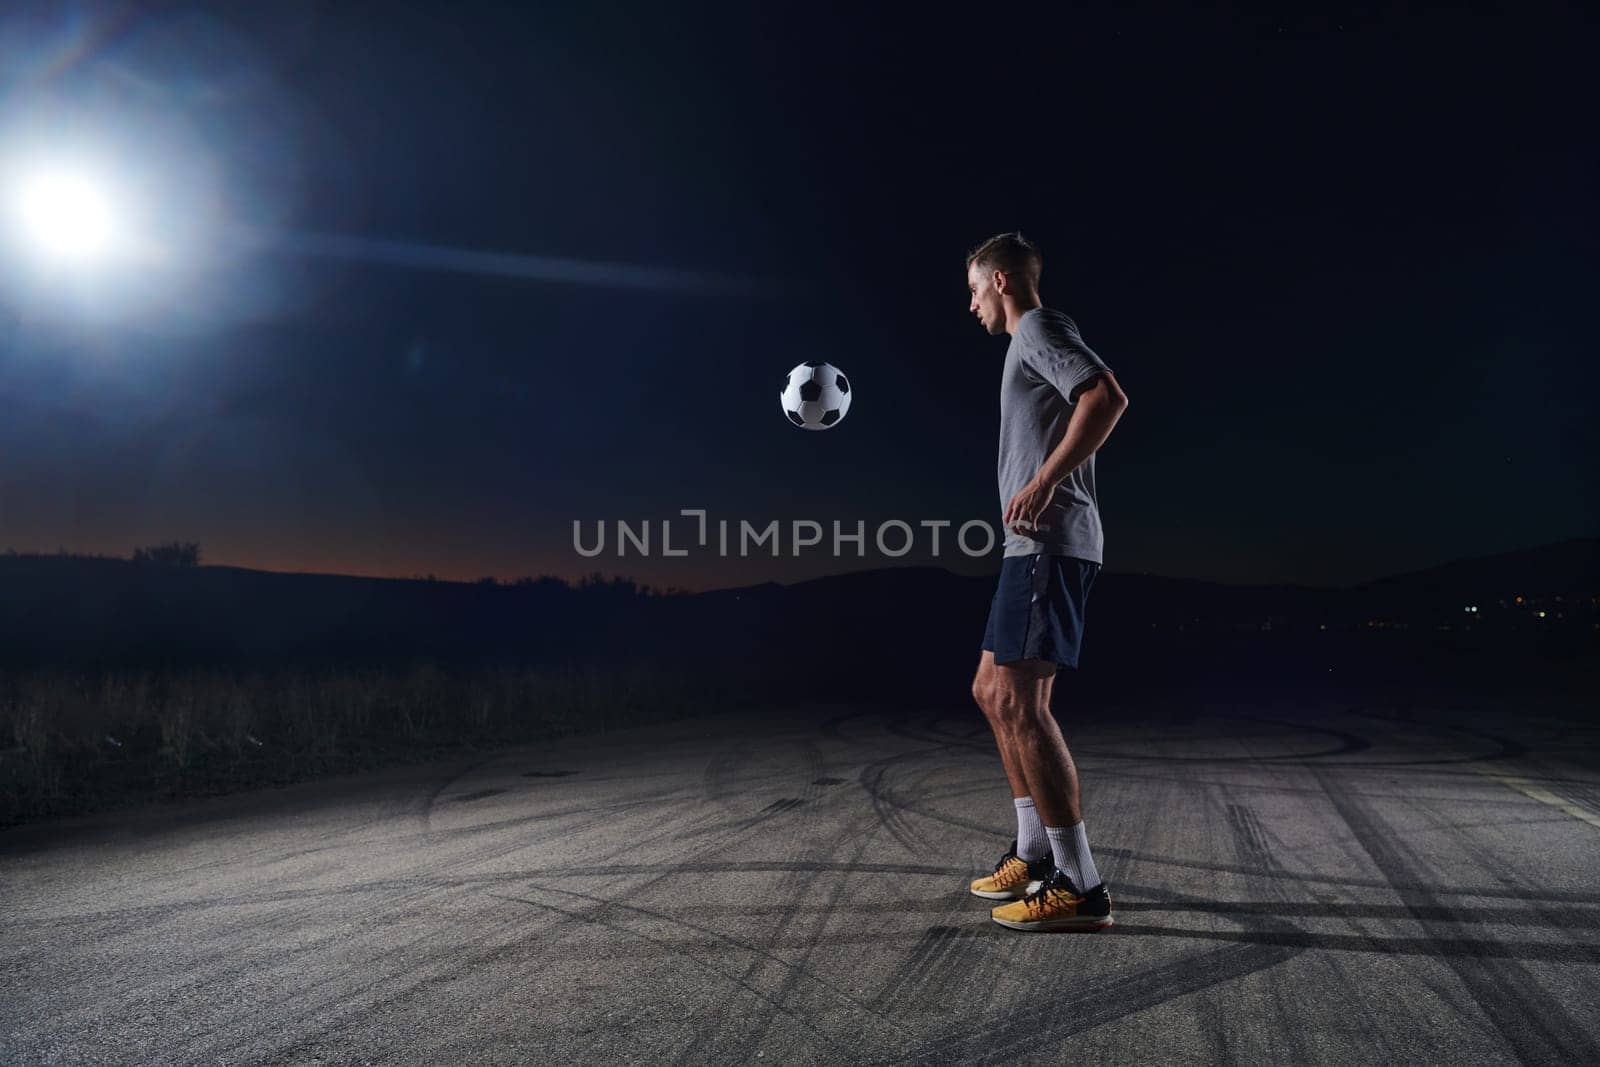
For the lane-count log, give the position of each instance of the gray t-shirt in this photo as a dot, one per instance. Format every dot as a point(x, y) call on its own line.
point(1047, 360)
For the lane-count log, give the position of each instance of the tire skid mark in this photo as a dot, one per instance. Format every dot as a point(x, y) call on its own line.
point(668, 814)
point(507, 941)
point(477, 794)
point(888, 807)
point(604, 905)
point(445, 851)
point(204, 973)
point(142, 913)
point(1255, 851)
point(864, 840)
point(833, 728)
point(1266, 876)
point(716, 782)
point(1060, 1016)
point(1255, 848)
point(336, 999)
point(214, 965)
point(722, 772)
point(428, 837)
point(398, 805)
point(1441, 948)
point(860, 832)
point(580, 918)
point(332, 993)
point(890, 798)
point(425, 807)
point(1566, 919)
point(1468, 775)
point(979, 736)
point(1534, 1027)
point(723, 764)
point(886, 810)
point(801, 886)
point(1506, 748)
point(220, 958)
point(926, 945)
point(1348, 744)
point(663, 816)
point(810, 770)
point(1538, 911)
point(476, 829)
point(901, 726)
point(1023, 1032)
point(939, 958)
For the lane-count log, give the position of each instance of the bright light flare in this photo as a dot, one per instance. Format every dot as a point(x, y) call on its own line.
point(64, 217)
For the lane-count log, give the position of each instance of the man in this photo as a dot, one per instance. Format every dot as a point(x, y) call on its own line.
point(1058, 404)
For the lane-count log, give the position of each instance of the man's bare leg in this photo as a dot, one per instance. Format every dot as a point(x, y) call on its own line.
point(1033, 844)
point(1023, 719)
point(985, 690)
point(1036, 741)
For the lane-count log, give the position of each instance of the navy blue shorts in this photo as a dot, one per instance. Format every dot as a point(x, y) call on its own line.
point(1037, 612)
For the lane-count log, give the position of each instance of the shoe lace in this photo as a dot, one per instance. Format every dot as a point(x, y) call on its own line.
point(1058, 883)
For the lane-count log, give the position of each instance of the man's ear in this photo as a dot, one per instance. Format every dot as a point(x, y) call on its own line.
point(1000, 282)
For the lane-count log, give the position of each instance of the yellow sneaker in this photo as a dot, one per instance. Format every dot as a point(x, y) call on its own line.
point(1057, 905)
point(1013, 876)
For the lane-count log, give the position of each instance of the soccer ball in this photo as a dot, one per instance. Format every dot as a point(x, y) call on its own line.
point(815, 396)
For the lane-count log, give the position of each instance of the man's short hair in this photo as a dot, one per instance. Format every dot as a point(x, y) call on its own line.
point(1009, 252)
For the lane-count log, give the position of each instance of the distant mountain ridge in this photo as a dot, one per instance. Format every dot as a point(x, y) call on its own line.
point(76, 609)
point(1570, 564)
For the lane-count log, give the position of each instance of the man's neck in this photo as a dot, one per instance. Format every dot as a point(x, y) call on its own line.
point(1015, 309)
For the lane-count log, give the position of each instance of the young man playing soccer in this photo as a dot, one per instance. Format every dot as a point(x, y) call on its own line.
point(1058, 404)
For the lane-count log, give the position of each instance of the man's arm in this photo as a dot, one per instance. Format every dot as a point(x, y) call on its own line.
point(1101, 403)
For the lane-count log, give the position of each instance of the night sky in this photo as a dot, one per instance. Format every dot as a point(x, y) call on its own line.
point(1339, 267)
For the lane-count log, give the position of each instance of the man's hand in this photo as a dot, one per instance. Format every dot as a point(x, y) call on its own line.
point(1026, 507)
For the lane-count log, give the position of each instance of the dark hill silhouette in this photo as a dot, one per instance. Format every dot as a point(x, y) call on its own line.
point(912, 620)
point(123, 676)
point(1561, 579)
point(1573, 563)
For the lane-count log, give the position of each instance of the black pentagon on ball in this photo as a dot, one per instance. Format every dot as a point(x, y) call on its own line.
point(844, 384)
point(794, 417)
point(810, 391)
point(812, 363)
point(829, 417)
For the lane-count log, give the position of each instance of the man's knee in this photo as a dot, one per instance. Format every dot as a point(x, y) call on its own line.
point(984, 682)
point(1021, 700)
point(1011, 709)
point(983, 692)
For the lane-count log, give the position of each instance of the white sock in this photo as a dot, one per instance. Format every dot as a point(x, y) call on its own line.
point(1070, 847)
point(1031, 840)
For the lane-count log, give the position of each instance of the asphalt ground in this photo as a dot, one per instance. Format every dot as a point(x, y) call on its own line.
point(1293, 884)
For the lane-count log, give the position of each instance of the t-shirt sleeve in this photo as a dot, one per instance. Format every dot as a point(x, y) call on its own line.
point(1054, 351)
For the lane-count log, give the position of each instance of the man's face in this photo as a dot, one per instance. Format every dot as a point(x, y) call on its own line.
point(986, 301)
